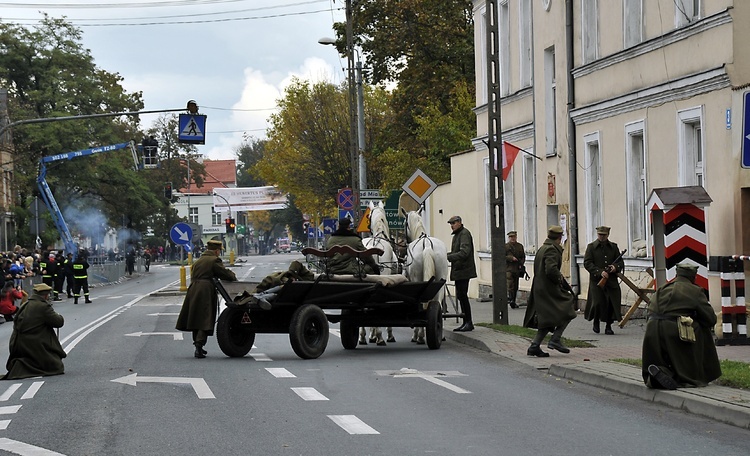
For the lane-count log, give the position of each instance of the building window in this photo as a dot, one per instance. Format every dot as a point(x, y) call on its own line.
point(550, 103)
point(193, 215)
point(594, 210)
point(633, 22)
point(687, 11)
point(524, 18)
point(504, 25)
point(590, 26)
point(691, 147)
point(529, 202)
point(482, 56)
point(637, 188)
point(217, 218)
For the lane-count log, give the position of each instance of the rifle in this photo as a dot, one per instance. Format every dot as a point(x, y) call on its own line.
point(603, 281)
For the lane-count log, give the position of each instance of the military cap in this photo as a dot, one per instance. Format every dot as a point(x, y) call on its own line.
point(345, 222)
point(42, 287)
point(554, 231)
point(512, 233)
point(214, 244)
point(602, 229)
point(455, 218)
point(687, 270)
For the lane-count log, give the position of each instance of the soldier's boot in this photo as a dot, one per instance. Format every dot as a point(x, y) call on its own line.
point(536, 350)
point(596, 326)
point(199, 352)
point(608, 330)
point(556, 344)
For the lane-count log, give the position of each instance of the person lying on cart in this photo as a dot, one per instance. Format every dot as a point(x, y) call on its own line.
point(346, 263)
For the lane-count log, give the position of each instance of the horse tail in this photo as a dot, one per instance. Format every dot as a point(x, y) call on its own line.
point(428, 267)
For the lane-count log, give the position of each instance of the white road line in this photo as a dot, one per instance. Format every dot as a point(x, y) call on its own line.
point(24, 449)
point(260, 357)
point(352, 424)
point(4, 424)
point(9, 409)
point(335, 332)
point(309, 394)
point(9, 392)
point(33, 389)
point(445, 384)
point(280, 372)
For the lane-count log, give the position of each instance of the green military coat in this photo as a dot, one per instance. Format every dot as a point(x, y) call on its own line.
point(345, 263)
point(34, 347)
point(461, 255)
point(514, 250)
point(199, 307)
point(692, 363)
point(549, 305)
point(603, 303)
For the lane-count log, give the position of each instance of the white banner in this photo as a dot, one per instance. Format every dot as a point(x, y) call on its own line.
point(248, 199)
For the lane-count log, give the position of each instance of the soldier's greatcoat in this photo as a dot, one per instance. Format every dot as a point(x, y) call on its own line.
point(691, 363)
point(34, 347)
point(549, 305)
point(345, 263)
point(603, 304)
point(199, 307)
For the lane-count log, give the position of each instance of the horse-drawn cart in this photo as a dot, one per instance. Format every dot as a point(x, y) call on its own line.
point(299, 309)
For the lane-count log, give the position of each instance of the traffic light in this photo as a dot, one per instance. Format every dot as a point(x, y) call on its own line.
point(230, 225)
point(168, 190)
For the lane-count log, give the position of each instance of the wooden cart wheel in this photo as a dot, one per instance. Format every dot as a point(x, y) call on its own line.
point(349, 332)
point(308, 331)
point(235, 340)
point(434, 325)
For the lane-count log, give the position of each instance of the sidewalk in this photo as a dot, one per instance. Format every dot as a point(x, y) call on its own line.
point(592, 366)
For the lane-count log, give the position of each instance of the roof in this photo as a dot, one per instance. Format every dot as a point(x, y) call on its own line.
point(219, 174)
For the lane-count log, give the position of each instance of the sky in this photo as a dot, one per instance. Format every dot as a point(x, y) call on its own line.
point(233, 57)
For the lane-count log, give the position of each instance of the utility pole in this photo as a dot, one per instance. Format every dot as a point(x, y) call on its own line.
point(351, 82)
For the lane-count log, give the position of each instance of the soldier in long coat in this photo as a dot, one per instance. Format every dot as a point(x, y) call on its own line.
point(551, 303)
point(34, 347)
point(345, 263)
point(515, 257)
point(198, 313)
point(668, 361)
point(603, 260)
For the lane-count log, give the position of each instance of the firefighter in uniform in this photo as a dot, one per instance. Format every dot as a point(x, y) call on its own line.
point(80, 278)
point(48, 267)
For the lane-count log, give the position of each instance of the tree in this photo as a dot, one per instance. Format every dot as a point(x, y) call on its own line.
point(249, 153)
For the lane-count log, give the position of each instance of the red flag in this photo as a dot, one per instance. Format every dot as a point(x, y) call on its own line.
point(509, 156)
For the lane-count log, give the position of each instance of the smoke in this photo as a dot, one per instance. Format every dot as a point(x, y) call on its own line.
point(85, 219)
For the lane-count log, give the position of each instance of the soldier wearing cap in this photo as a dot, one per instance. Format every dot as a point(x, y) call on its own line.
point(551, 301)
point(515, 257)
point(669, 362)
point(463, 268)
point(198, 313)
point(343, 263)
point(603, 261)
point(34, 347)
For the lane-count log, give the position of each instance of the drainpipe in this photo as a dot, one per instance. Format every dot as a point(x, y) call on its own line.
point(572, 179)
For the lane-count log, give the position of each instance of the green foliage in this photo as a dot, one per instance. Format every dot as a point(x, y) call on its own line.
point(734, 374)
point(248, 155)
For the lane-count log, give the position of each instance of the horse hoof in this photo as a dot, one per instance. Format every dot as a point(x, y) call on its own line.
point(391, 340)
point(413, 339)
point(362, 342)
point(372, 340)
point(420, 341)
point(381, 343)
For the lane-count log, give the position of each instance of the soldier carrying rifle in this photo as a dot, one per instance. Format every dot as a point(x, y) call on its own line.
point(603, 260)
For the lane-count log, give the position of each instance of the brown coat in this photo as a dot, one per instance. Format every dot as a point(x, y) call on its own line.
point(199, 307)
point(34, 347)
point(549, 305)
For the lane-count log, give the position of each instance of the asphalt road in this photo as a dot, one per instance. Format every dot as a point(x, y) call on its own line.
point(132, 387)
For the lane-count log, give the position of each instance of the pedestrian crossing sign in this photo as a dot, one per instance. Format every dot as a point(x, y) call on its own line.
point(192, 129)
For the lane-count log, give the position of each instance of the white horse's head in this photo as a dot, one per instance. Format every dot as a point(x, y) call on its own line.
point(379, 222)
point(414, 226)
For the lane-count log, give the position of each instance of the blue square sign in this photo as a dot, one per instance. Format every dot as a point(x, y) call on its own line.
point(746, 131)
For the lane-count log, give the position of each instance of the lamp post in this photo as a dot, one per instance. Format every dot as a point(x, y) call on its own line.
point(231, 244)
point(356, 141)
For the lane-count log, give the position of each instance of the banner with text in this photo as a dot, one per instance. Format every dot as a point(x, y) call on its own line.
point(248, 199)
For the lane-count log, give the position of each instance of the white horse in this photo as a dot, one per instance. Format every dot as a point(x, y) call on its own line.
point(426, 257)
point(380, 239)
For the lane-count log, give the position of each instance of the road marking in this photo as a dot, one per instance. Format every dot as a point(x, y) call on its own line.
point(199, 385)
point(309, 394)
point(33, 389)
point(260, 357)
point(176, 335)
point(157, 304)
point(160, 314)
point(280, 372)
point(430, 376)
point(9, 409)
point(4, 424)
point(24, 449)
point(335, 332)
point(9, 392)
point(352, 424)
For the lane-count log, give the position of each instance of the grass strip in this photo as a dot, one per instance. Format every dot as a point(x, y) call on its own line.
point(529, 333)
point(734, 374)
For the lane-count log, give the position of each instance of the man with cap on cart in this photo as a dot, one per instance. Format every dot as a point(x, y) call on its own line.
point(35, 349)
point(200, 307)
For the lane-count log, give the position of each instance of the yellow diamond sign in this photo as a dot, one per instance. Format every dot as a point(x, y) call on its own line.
point(419, 186)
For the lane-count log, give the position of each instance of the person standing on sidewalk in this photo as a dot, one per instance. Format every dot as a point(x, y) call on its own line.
point(672, 356)
point(463, 268)
point(198, 313)
point(603, 261)
point(515, 257)
point(551, 303)
point(81, 278)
